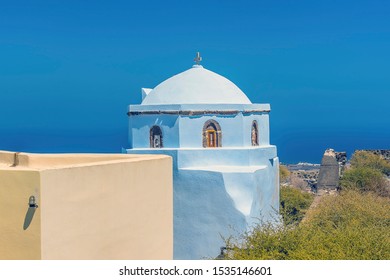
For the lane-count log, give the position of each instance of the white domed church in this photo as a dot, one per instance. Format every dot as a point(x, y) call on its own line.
point(225, 172)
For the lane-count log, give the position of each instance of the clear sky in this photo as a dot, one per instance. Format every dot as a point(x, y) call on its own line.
point(68, 69)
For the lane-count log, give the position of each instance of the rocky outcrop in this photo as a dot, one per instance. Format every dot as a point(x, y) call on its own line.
point(341, 158)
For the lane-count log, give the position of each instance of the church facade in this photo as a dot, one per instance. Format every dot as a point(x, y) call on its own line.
point(225, 172)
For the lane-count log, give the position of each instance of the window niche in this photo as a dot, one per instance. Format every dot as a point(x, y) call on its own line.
point(212, 134)
point(255, 134)
point(156, 137)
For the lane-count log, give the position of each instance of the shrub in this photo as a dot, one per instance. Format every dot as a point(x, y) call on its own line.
point(266, 241)
point(361, 159)
point(284, 174)
point(351, 225)
point(293, 204)
point(364, 179)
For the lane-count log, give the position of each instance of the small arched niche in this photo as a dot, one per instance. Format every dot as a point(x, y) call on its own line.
point(156, 137)
point(255, 134)
point(212, 134)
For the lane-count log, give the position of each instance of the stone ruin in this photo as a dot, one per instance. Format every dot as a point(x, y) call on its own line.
point(332, 166)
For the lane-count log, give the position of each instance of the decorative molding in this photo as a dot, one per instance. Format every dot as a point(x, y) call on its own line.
point(195, 112)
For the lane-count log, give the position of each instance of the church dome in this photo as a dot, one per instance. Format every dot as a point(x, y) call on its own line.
point(197, 85)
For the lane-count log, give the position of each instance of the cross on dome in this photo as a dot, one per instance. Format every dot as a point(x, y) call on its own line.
point(198, 58)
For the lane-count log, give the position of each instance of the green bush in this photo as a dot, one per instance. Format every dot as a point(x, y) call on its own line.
point(266, 242)
point(351, 225)
point(364, 159)
point(284, 173)
point(364, 179)
point(367, 173)
point(293, 204)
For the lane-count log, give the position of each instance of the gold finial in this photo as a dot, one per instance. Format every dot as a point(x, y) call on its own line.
point(198, 58)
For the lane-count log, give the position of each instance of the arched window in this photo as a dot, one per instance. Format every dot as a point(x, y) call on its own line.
point(156, 137)
point(212, 135)
point(255, 134)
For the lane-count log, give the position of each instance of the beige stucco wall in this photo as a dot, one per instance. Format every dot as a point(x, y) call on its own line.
point(90, 207)
point(15, 189)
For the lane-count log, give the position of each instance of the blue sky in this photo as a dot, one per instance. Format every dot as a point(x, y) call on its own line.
point(68, 69)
